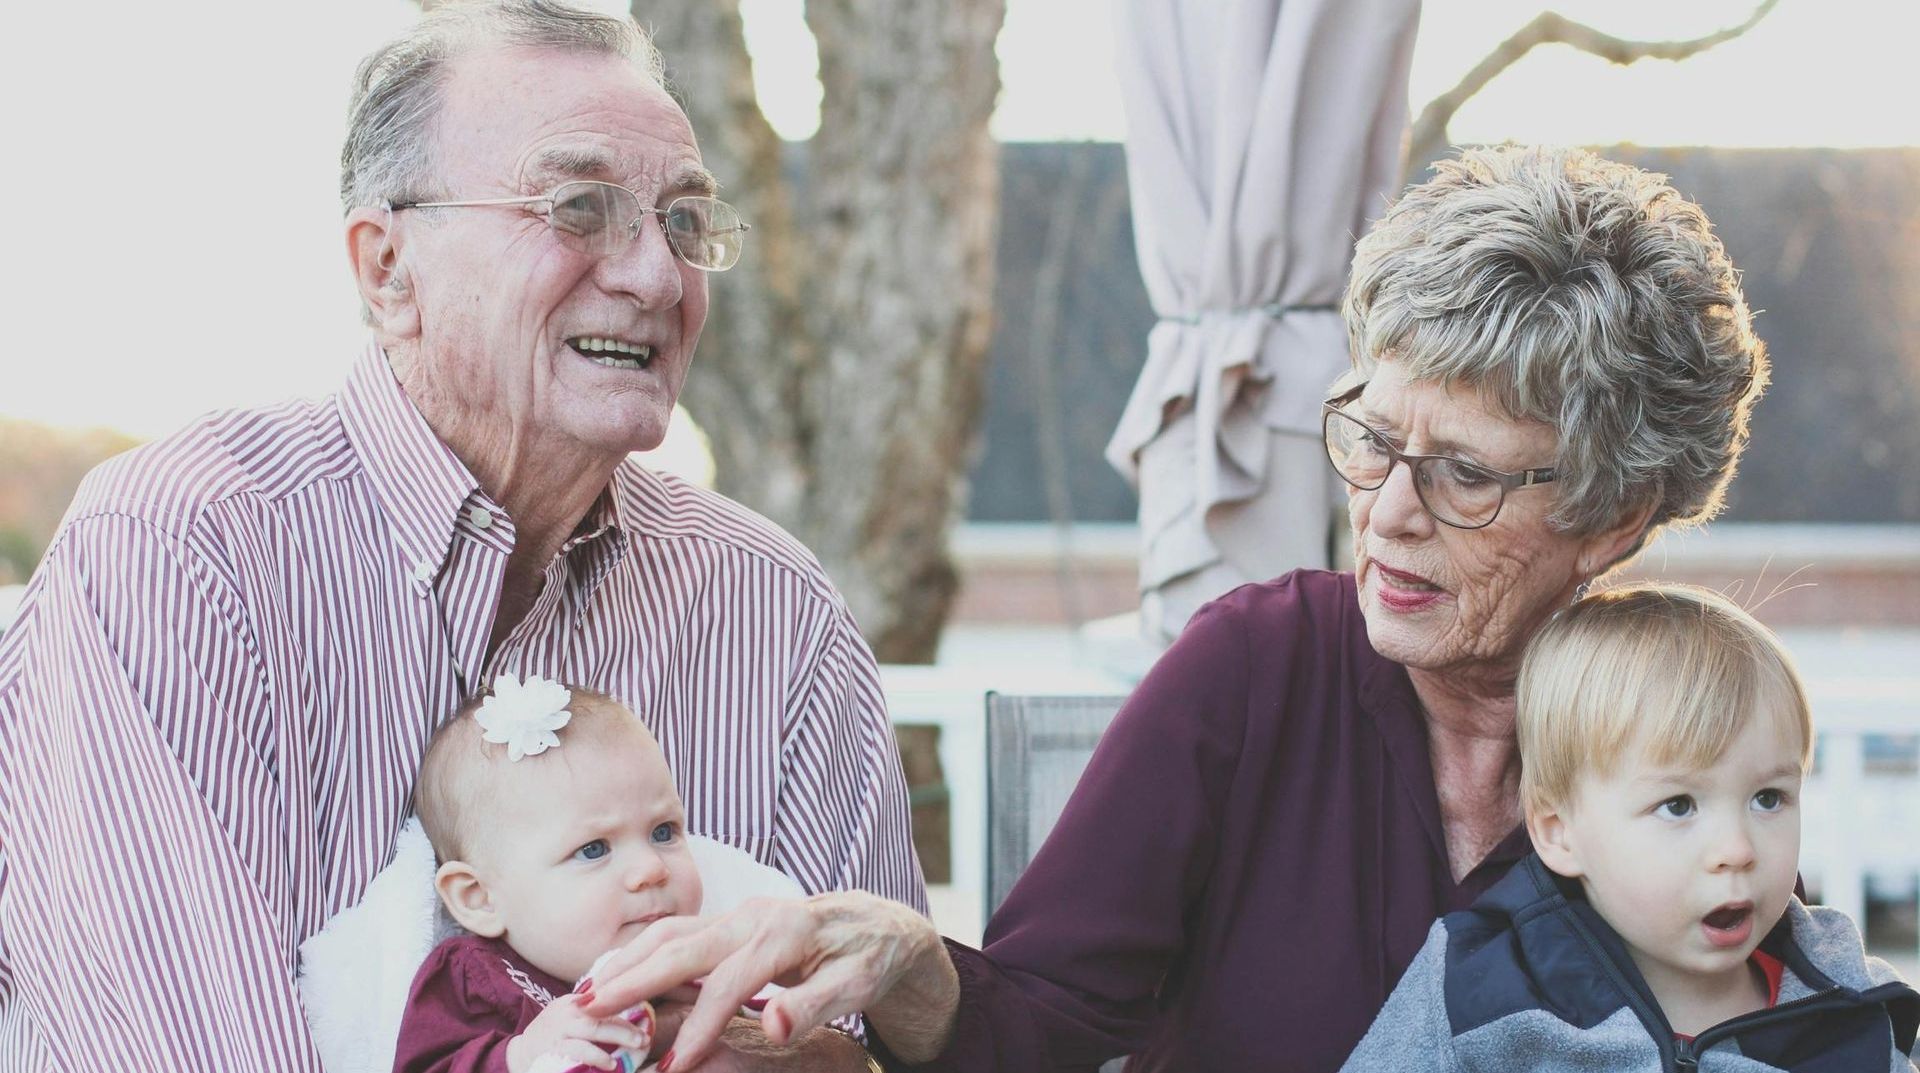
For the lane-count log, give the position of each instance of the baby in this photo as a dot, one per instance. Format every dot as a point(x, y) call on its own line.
point(1663, 738)
point(560, 837)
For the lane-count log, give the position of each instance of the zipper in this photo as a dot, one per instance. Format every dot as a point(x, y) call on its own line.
point(1834, 996)
point(1672, 1057)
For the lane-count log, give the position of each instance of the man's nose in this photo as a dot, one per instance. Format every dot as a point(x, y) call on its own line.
point(646, 268)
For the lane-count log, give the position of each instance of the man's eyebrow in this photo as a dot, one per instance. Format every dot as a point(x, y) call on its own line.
point(696, 178)
point(575, 161)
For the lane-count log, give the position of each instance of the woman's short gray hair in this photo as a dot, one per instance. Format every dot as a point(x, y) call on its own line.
point(1581, 293)
point(396, 92)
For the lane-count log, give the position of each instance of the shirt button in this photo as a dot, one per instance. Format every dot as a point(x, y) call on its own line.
point(423, 571)
point(481, 517)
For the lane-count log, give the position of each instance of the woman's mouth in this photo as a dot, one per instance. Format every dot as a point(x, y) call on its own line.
point(1402, 591)
point(1730, 925)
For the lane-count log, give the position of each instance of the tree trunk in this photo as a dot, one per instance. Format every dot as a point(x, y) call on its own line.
point(839, 380)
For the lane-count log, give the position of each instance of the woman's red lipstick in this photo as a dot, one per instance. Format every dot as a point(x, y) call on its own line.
point(1404, 592)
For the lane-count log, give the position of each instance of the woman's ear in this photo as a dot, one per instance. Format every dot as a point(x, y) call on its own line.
point(1553, 840)
point(378, 275)
point(1602, 550)
point(467, 900)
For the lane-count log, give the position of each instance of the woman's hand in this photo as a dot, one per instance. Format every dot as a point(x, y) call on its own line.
point(568, 1032)
point(836, 954)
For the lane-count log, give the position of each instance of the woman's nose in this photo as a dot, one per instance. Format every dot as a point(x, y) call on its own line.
point(1396, 510)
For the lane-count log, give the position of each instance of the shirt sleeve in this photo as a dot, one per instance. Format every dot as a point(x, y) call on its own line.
point(145, 893)
point(843, 820)
point(1074, 957)
point(451, 1025)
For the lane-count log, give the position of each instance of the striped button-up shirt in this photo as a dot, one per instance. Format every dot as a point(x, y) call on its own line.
point(217, 691)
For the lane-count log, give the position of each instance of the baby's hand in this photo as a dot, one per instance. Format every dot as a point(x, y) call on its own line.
point(565, 1036)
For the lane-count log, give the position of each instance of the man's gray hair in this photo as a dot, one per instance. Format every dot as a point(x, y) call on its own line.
point(1581, 293)
point(397, 90)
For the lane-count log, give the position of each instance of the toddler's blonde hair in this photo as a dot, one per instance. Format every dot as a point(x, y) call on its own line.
point(1678, 668)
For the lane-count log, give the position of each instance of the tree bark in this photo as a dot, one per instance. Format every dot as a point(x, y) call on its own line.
point(1428, 140)
point(839, 380)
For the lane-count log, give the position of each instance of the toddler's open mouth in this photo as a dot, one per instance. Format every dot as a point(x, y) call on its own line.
point(1729, 925)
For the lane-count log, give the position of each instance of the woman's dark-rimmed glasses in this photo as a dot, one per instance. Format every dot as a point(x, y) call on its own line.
point(1462, 494)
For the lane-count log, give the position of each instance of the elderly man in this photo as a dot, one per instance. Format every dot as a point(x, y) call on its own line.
point(221, 679)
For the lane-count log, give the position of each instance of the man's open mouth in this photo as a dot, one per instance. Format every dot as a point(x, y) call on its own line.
point(612, 353)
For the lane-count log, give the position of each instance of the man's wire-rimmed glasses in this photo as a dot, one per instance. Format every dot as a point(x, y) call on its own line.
point(599, 218)
point(1463, 494)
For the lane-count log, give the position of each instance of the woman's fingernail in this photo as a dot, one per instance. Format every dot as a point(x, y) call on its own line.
point(666, 1063)
point(585, 986)
point(641, 1017)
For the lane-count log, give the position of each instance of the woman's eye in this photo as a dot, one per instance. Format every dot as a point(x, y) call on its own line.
point(592, 851)
point(1464, 475)
point(662, 834)
point(1770, 800)
point(1675, 808)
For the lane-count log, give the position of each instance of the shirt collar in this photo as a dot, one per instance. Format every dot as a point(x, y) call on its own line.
point(420, 483)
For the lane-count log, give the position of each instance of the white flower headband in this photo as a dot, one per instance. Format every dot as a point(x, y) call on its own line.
point(523, 715)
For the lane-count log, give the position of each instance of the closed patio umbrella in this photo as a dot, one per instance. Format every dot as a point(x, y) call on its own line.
point(1263, 136)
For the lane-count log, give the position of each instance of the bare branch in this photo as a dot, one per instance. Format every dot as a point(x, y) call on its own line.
point(1429, 138)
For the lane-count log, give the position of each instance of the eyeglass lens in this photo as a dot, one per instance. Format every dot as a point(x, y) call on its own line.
point(600, 218)
point(1456, 492)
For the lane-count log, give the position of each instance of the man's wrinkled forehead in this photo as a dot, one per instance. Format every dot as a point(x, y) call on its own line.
point(517, 115)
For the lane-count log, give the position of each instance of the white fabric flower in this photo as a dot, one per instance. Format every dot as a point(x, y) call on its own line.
point(524, 715)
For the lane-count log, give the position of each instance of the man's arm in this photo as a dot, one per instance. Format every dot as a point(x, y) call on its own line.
point(147, 891)
point(843, 821)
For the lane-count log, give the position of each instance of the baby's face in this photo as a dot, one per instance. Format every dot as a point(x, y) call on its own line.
point(1693, 867)
point(587, 845)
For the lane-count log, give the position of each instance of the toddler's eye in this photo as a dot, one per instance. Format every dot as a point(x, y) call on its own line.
point(592, 851)
point(663, 834)
point(1676, 808)
point(1770, 800)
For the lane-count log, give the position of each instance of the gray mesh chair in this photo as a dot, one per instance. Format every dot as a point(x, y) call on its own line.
point(1036, 749)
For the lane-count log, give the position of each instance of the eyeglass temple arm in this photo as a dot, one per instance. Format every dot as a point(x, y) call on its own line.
point(462, 204)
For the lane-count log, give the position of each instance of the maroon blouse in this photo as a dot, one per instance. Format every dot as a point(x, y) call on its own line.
point(1251, 860)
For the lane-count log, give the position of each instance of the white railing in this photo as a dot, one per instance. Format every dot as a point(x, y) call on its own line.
point(1859, 823)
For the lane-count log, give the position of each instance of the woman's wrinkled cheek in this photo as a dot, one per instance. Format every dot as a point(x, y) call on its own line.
point(1493, 598)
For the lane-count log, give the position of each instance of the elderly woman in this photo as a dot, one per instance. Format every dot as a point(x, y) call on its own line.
point(1553, 361)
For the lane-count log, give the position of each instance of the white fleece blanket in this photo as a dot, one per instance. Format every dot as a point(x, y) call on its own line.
point(355, 973)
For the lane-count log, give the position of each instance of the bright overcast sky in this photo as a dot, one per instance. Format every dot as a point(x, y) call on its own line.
point(189, 255)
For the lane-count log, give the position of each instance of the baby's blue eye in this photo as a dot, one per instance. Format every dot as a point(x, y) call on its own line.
point(1770, 800)
point(1676, 808)
point(593, 850)
point(663, 834)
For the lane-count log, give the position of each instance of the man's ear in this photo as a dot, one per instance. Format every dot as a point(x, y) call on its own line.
point(466, 898)
point(1553, 840)
point(377, 274)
